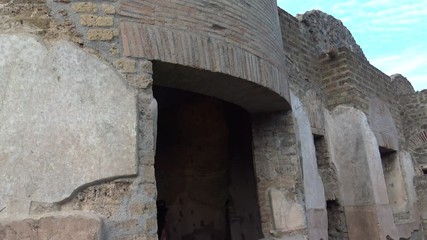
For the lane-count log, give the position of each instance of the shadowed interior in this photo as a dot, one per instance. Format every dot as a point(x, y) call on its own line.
point(204, 168)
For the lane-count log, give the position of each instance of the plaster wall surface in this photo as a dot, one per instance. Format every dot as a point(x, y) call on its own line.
point(355, 154)
point(411, 225)
point(315, 202)
point(353, 144)
point(66, 120)
point(363, 192)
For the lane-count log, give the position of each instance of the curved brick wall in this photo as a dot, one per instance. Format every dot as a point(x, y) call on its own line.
point(415, 118)
point(238, 38)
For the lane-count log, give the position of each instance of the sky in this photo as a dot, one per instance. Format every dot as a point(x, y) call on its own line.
point(391, 33)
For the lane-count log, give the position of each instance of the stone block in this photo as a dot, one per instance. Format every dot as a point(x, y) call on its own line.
point(96, 21)
point(146, 66)
point(127, 225)
point(84, 7)
point(100, 34)
point(108, 9)
point(149, 175)
point(141, 81)
point(288, 215)
point(126, 65)
point(150, 191)
point(42, 23)
point(59, 227)
point(137, 209)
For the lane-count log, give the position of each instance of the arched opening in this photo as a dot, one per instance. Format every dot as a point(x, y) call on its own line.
point(252, 97)
point(204, 168)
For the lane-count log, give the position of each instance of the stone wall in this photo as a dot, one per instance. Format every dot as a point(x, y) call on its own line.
point(349, 79)
point(78, 136)
point(78, 125)
point(324, 55)
point(414, 112)
point(241, 39)
point(327, 33)
point(126, 33)
point(328, 59)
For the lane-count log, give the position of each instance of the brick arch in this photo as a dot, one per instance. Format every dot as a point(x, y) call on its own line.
point(418, 140)
point(241, 39)
point(250, 96)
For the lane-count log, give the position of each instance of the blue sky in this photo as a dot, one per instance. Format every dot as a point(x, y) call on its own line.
point(392, 34)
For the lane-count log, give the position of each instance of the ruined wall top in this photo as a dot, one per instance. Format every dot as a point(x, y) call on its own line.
point(328, 32)
point(402, 85)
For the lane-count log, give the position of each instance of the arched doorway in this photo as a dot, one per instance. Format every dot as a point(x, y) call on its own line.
point(204, 168)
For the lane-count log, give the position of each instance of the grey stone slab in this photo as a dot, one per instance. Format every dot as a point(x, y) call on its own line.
point(66, 120)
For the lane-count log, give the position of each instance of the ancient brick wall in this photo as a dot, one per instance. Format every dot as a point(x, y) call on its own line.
point(300, 54)
point(112, 52)
point(322, 54)
point(351, 80)
point(241, 39)
point(328, 69)
point(414, 108)
point(414, 114)
point(401, 85)
point(336, 81)
point(303, 69)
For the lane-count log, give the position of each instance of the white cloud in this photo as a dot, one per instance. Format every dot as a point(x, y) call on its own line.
point(387, 31)
point(411, 63)
point(343, 7)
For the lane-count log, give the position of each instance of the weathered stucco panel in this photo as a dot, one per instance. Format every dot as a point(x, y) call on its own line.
point(66, 120)
point(382, 124)
point(315, 202)
point(355, 153)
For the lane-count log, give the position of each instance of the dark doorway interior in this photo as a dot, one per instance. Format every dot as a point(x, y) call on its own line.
point(204, 169)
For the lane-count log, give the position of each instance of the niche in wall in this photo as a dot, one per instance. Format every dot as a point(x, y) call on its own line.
point(395, 183)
